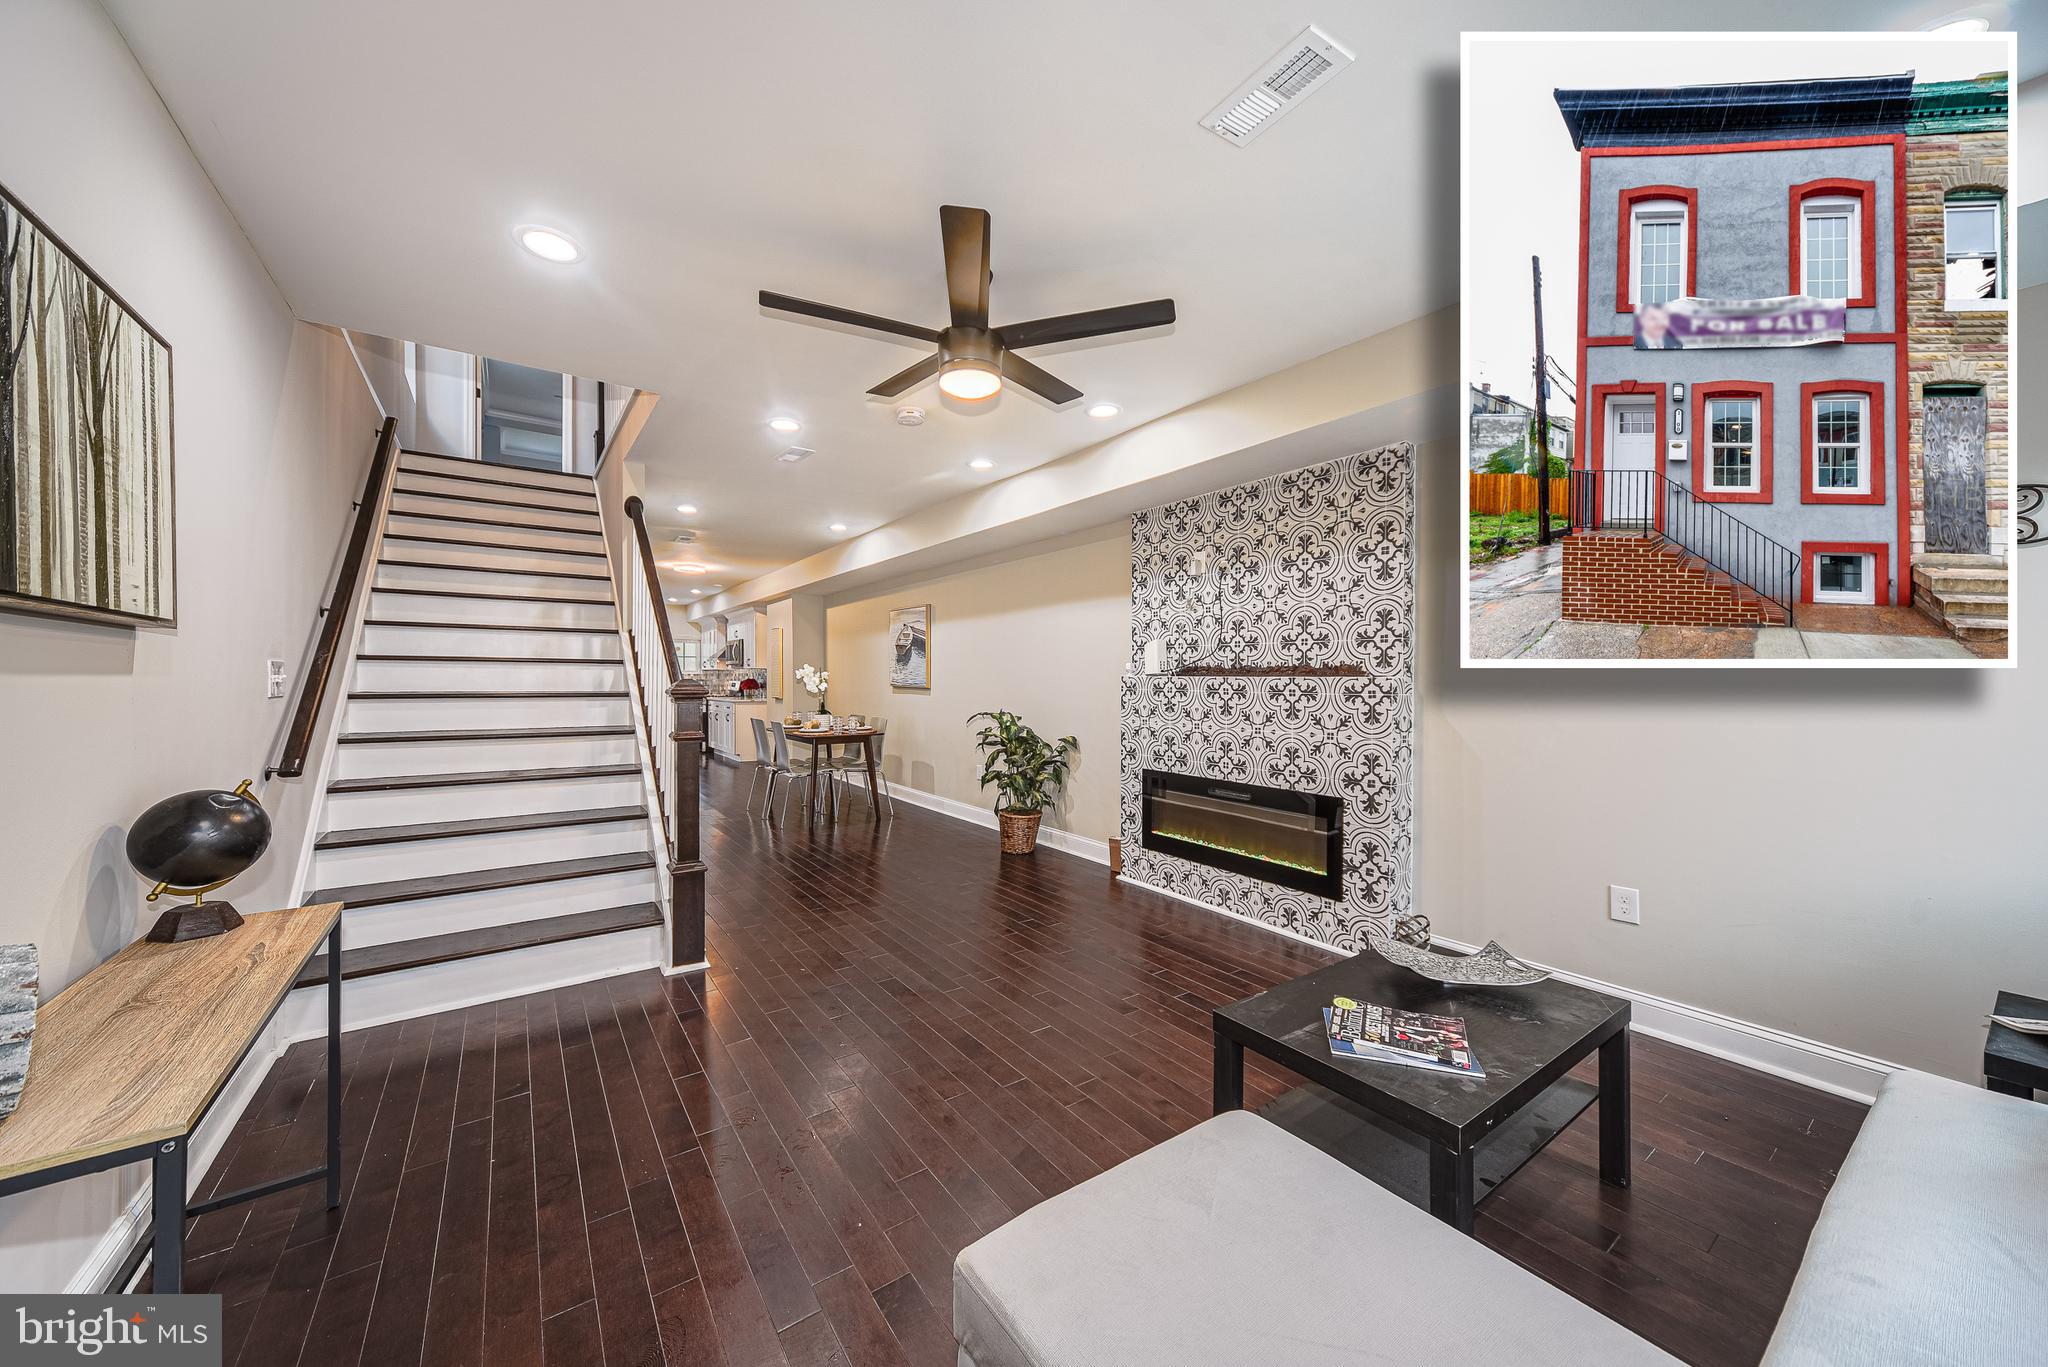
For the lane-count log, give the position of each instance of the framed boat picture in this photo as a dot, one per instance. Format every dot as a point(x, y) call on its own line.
point(87, 511)
point(910, 642)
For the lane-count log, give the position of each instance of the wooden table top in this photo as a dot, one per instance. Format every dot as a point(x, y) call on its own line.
point(135, 1051)
point(857, 733)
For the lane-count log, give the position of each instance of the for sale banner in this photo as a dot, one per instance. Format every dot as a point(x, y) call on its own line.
point(1697, 324)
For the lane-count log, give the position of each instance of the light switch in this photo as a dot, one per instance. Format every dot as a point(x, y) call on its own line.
point(273, 678)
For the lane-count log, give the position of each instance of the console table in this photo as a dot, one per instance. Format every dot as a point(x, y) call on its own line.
point(128, 1060)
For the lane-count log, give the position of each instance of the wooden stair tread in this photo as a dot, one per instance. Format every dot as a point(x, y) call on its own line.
point(575, 484)
point(495, 660)
point(491, 597)
point(492, 569)
point(494, 522)
point(482, 880)
point(490, 626)
point(359, 836)
point(472, 944)
point(407, 695)
point(504, 733)
point(393, 782)
point(492, 546)
point(398, 489)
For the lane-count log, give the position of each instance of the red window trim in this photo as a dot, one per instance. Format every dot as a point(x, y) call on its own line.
point(1865, 193)
point(1701, 454)
point(1880, 554)
point(1625, 238)
point(1873, 427)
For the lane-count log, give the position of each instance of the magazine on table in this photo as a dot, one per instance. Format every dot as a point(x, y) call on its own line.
point(1413, 1039)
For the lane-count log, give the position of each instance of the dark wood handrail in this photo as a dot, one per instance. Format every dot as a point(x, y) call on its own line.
point(334, 619)
point(636, 510)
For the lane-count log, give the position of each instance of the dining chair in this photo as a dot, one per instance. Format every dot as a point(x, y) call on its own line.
point(780, 768)
point(766, 761)
point(855, 765)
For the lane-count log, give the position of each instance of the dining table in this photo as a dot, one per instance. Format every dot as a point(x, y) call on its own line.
point(831, 738)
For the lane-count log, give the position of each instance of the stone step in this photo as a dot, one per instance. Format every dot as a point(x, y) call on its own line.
point(1944, 579)
point(1955, 605)
point(1960, 560)
point(1977, 628)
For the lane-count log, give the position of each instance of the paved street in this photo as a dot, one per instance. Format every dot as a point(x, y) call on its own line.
point(1515, 606)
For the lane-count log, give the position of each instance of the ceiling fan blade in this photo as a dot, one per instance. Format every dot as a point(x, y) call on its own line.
point(907, 378)
point(1069, 327)
point(1051, 388)
point(965, 233)
point(832, 313)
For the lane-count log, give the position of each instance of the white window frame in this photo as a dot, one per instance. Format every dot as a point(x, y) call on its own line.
point(1868, 595)
point(1862, 402)
point(1755, 443)
point(1996, 204)
point(1657, 211)
point(1835, 206)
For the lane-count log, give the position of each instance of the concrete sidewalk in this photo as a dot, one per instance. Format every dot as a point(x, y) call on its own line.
point(1515, 616)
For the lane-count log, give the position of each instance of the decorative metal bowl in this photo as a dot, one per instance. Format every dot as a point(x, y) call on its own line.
point(1490, 967)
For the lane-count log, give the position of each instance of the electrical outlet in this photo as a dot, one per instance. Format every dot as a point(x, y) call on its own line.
point(1624, 904)
point(273, 679)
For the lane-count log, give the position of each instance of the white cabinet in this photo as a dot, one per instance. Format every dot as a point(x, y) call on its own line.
point(730, 726)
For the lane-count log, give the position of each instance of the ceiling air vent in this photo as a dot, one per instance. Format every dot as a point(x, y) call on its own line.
point(1312, 58)
point(685, 538)
point(795, 454)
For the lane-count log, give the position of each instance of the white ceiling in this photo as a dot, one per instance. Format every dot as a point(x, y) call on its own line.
point(702, 152)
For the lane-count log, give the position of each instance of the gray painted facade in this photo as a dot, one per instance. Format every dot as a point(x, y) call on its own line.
point(1743, 246)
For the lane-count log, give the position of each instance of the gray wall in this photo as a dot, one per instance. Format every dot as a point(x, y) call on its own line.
point(1744, 211)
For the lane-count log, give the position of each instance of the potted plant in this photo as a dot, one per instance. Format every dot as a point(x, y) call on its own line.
point(1027, 773)
point(814, 681)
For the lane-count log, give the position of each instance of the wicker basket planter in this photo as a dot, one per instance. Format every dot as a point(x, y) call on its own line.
point(1020, 831)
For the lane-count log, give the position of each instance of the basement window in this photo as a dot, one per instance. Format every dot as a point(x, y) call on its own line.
point(1731, 446)
point(1843, 577)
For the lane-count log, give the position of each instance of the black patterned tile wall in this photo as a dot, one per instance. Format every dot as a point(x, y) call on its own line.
point(1310, 569)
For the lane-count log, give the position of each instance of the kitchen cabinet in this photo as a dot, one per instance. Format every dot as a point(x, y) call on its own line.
point(729, 724)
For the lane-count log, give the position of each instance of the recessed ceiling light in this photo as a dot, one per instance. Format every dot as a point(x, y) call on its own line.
point(549, 245)
point(981, 463)
point(839, 526)
point(675, 600)
point(785, 424)
point(686, 508)
point(696, 590)
point(717, 588)
point(1103, 410)
point(687, 567)
point(1973, 23)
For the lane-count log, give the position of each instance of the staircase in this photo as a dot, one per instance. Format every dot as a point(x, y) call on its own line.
point(1965, 593)
point(485, 818)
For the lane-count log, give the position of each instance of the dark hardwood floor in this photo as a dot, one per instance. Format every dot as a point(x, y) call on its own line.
point(904, 1040)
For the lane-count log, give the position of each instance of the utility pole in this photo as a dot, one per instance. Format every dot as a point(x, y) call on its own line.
point(1540, 461)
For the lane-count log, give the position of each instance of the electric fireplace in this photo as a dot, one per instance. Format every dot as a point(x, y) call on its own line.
point(1286, 837)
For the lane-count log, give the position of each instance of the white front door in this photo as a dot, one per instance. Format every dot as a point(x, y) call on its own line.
point(1629, 495)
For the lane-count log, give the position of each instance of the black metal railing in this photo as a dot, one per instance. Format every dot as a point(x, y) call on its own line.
point(1649, 502)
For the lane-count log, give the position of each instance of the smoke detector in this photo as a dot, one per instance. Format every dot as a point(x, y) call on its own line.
point(795, 454)
point(910, 417)
point(1305, 63)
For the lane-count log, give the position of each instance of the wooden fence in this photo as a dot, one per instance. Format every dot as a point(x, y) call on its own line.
point(1496, 494)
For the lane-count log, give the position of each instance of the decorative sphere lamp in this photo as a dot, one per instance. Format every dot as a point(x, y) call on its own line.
point(190, 845)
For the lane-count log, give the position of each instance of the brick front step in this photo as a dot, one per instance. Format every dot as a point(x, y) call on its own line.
point(1637, 577)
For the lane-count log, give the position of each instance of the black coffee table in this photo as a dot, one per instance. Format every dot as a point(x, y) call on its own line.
point(2016, 1064)
point(1435, 1137)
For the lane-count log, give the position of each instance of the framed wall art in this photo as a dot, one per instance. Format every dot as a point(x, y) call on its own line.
point(910, 643)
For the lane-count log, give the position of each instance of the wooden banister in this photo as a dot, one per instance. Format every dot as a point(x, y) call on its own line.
point(677, 747)
point(298, 740)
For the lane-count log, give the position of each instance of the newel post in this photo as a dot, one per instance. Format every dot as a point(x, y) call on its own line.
point(686, 866)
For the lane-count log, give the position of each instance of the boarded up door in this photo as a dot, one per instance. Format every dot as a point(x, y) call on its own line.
point(1954, 428)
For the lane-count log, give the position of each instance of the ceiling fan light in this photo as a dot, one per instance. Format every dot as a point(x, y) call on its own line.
point(970, 378)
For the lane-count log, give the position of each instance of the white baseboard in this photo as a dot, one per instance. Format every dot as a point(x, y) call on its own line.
point(1087, 847)
point(681, 969)
point(1795, 1058)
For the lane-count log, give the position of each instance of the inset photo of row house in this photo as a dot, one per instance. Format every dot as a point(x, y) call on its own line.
point(1776, 322)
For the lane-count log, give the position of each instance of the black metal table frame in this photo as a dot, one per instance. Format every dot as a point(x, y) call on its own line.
point(1450, 1163)
point(168, 1210)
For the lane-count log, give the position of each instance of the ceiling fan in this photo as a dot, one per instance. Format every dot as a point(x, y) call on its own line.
point(974, 360)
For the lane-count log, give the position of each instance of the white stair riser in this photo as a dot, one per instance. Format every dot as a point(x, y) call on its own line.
point(356, 865)
point(456, 505)
point(488, 557)
point(506, 474)
point(383, 760)
point(476, 714)
point(470, 579)
point(423, 607)
point(494, 977)
point(390, 923)
point(403, 806)
point(385, 676)
point(379, 639)
point(399, 524)
point(417, 480)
